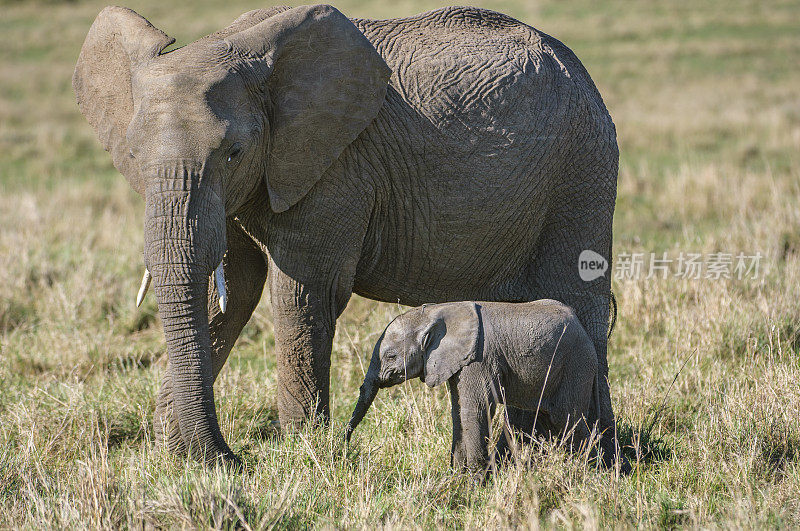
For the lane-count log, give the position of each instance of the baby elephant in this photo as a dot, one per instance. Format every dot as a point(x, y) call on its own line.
point(522, 354)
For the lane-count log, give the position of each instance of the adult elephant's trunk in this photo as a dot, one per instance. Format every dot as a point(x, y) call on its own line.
point(184, 242)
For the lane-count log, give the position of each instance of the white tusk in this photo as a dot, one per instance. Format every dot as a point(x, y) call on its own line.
point(146, 278)
point(219, 277)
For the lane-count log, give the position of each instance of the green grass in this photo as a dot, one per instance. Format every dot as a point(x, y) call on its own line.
point(704, 95)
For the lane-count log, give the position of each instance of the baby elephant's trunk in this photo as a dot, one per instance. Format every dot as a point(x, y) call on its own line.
point(366, 395)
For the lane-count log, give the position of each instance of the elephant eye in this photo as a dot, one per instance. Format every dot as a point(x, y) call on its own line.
point(234, 152)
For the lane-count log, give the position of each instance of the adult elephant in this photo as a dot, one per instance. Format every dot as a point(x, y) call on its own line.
point(457, 154)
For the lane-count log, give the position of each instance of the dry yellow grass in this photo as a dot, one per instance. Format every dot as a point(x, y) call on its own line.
point(704, 95)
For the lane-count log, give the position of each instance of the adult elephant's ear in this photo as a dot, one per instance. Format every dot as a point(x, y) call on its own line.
point(245, 21)
point(118, 43)
point(452, 341)
point(324, 82)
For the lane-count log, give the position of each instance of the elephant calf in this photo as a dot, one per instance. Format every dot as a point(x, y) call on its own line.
point(528, 355)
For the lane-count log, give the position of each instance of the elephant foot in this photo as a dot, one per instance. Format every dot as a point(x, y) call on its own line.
point(287, 424)
point(520, 430)
point(477, 471)
point(295, 414)
point(625, 467)
point(609, 461)
point(612, 454)
point(479, 477)
point(458, 457)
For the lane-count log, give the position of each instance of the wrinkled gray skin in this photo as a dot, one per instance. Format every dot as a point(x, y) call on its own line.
point(533, 355)
point(453, 155)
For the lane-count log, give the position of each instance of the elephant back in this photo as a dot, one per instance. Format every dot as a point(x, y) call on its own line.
point(486, 79)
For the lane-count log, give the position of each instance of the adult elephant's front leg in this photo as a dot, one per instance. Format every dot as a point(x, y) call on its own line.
point(245, 273)
point(304, 317)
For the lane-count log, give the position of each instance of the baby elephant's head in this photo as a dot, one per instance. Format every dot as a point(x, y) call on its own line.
point(431, 342)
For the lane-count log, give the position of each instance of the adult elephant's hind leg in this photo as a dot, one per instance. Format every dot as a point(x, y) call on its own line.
point(580, 221)
point(245, 274)
point(580, 230)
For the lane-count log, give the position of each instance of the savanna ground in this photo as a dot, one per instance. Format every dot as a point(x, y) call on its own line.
point(705, 98)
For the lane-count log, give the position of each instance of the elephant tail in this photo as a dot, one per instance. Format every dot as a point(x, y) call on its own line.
point(613, 315)
point(596, 397)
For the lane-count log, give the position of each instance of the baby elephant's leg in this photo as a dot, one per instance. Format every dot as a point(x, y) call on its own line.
point(570, 406)
point(458, 458)
point(472, 411)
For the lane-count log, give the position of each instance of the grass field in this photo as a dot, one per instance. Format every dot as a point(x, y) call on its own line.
point(706, 98)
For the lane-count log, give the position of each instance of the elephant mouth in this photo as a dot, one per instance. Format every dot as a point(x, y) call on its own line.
point(391, 381)
point(219, 282)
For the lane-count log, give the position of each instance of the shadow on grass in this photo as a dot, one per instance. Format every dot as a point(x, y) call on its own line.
point(777, 446)
point(264, 426)
point(639, 444)
point(124, 430)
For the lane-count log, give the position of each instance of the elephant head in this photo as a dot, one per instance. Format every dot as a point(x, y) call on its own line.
point(263, 106)
point(432, 342)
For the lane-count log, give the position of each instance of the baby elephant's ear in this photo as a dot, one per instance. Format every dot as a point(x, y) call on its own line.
point(453, 341)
